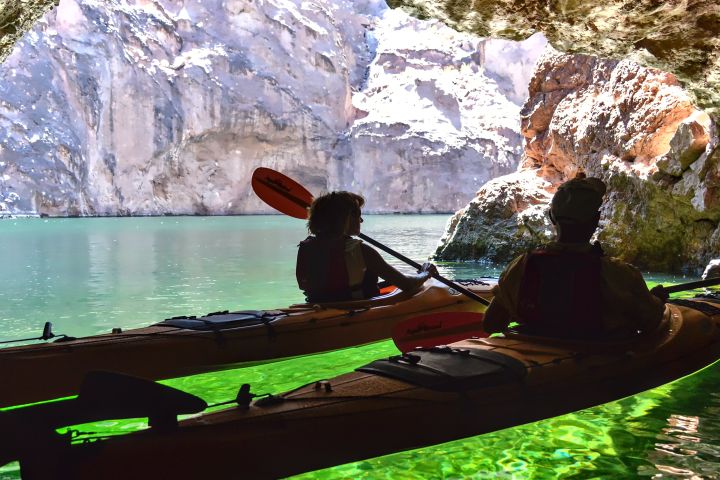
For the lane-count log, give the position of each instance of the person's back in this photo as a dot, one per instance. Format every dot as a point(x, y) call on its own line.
point(560, 292)
point(332, 266)
point(569, 288)
point(334, 269)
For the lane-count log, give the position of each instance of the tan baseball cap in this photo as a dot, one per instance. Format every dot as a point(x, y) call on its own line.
point(578, 200)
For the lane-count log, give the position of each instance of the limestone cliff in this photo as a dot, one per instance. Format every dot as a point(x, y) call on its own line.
point(164, 107)
point(635, 128)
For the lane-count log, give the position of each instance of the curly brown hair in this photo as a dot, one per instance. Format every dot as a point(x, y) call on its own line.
point(329, 213)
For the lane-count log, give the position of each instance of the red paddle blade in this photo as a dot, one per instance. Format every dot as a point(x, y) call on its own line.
point(282, 193)
point(437, 329)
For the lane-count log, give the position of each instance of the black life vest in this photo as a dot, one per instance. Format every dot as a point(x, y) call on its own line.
point(560, 294)
point(334, 270)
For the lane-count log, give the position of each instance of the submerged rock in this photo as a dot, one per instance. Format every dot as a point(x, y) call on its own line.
point(635, 128)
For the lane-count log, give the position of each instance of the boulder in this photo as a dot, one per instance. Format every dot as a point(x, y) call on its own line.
point(712, 270)
point(635, 128)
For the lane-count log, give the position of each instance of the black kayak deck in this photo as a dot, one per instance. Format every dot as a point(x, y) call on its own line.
point(224, 320)
point(450, 369)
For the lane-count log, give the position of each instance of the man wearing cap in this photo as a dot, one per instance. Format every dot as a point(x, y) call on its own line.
point(569, 288)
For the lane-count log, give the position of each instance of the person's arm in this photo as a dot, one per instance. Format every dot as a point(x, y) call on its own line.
point(500, 313)
point(301, 272)
point(407, 283)
point(649, 305)
point(497, 317)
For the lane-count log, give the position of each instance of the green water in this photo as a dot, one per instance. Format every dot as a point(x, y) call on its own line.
point(89, 275)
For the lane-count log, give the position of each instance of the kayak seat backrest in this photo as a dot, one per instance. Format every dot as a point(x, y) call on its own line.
point(450, 369)
point(224, 320)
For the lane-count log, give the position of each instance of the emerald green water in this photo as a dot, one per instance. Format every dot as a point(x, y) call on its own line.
point(89, 275)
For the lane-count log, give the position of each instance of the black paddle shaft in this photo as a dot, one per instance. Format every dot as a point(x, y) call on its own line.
point(412, 263)
point(692, 285)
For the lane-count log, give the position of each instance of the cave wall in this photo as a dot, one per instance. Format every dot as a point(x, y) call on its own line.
point(678, 37)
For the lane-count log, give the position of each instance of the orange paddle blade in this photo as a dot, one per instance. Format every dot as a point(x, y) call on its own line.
point(282, 193)
point(437, 329)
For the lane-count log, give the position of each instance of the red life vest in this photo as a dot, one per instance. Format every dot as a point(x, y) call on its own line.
point(560, 294)
point(334, 270)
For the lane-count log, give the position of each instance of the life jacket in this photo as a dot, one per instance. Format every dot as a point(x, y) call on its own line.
point(334, 270)
point(560, 294)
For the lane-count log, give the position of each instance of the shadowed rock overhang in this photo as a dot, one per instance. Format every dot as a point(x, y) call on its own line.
point(17, 17)
point(678, 37)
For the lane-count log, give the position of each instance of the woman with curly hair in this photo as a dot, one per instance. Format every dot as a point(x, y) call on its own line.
point(333, 266)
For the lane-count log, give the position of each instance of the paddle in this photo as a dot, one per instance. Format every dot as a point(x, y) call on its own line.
point(289, 197)
point(437, 329)
point(106, 395)
point(692, 285)
point(102, 396)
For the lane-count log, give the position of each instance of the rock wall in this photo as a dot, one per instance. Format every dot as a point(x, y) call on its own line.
point(677, 37)
point(635, 128)
point(438, 116)
point(167, 106)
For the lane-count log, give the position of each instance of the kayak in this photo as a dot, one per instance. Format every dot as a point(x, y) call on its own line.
point(188, 345)
point(420, 398)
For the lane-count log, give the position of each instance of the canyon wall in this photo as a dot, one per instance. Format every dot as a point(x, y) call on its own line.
point(634, 127)
point(155, 107)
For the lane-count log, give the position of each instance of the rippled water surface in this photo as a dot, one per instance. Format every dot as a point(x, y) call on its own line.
point(89, 275)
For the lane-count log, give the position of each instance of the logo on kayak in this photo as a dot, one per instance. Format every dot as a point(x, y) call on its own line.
point(424, 327)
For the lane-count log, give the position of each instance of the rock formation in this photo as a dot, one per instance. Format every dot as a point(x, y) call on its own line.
point(437, 118)
point(17, 18)
point(678, 37)
point(712, 270)
point(165, 107)
point(635, 128)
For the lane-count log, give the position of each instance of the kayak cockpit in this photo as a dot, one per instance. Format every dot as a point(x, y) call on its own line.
point(391, 296)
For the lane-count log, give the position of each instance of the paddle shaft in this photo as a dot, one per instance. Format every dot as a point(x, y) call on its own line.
point(412, 263)
point(692, 285)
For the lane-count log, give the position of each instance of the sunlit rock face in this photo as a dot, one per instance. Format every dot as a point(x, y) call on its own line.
point(166, 107)
point(678, 37)
point(438, 117)
point(635, 128)
point(712, 270)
